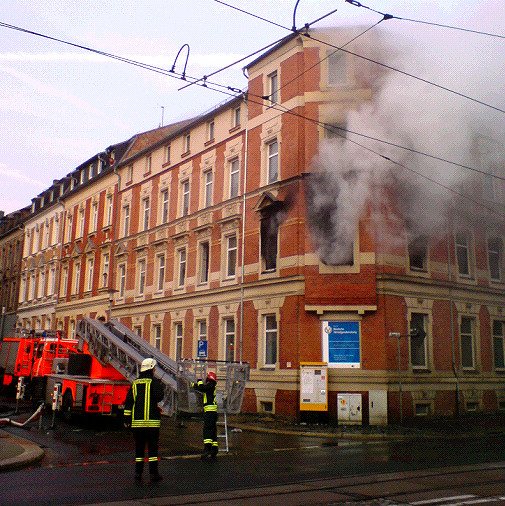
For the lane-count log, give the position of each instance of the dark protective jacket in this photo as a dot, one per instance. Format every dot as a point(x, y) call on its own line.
point(209, 394)
point(141, 404)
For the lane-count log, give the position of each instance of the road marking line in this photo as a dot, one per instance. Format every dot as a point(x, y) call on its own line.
point(443, 499)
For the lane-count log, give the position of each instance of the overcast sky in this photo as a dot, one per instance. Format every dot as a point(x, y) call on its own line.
point(60, 105)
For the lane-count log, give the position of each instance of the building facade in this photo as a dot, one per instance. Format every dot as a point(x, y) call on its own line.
point(247, 234)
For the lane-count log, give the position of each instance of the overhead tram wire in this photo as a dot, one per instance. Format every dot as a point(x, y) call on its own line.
point(439, 25)
point(233, 92)
point(389, 67)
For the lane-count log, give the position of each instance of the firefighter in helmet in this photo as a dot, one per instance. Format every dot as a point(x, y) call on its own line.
point(208, 389)
point(142, 414)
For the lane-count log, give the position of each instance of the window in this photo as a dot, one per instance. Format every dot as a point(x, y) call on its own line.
point(126, 220)
point(122, 279)
point(32, 286)
point(335, 131)
point(336, 68)
point(129, 174)
point(467, 342)
point(210, 130)
point(204, 261)
point(77, 276)
point(185, 198)
point(182, 266)
point(69, 228)
point(52, 281)
point(273, 161)
point(273, 87)
point(109, 209)
point(462, 253)
point(202, 330)
point(141, 276)
point(270, 340)
point(167, 154)
point(178, 341)
point(231, 255)
point(236, 117)
point(269, 228)
point(161, 272)
point(157, 336)
point(149, 161)
point(138, 330)
point(146, 206)
point(187, 143)
point(229, 340)
point(89, 284)
point(498, 344)
point(94, 217)
point(164, 206)
point(418, 253)
point(234, 177)
point(42, 284)
point(418, 341)
point(208, 182)
point(64, 282)
point(81, 223)
point(494, 252)
point(105, 270)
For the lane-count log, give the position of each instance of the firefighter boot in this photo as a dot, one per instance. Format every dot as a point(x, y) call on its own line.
point(207, 451)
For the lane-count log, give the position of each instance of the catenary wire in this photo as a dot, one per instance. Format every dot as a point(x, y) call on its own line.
point(439, 25)
point(233, 92)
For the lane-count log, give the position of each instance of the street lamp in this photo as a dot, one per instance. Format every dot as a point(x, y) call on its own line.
point(111, 293)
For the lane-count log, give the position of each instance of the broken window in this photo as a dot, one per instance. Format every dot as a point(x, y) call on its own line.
point(418, 253)
point(271, 217)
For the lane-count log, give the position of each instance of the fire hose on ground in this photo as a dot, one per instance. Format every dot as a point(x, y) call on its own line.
point(34, 416)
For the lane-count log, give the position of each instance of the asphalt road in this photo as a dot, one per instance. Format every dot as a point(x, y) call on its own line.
point(87, 464)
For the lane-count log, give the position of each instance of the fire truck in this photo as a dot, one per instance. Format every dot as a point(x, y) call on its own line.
point(46, 367)
point(92, 374)
point(29, 357)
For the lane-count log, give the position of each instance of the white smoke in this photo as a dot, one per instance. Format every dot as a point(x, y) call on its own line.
point(415, 114)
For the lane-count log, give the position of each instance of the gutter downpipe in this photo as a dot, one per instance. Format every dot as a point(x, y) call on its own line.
point(242, 274)
point(113, 243)
point(451, 316)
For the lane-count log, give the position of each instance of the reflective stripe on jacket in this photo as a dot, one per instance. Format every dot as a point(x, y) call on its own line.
point(209, 394)
point(141, 403)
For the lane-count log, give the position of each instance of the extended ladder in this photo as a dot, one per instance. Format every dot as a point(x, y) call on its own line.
point(115, 344)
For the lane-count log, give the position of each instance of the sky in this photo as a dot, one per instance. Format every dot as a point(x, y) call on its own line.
point(60, 105)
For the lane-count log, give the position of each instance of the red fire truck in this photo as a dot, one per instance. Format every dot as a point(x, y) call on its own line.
point(30, 354)
point(49, 368)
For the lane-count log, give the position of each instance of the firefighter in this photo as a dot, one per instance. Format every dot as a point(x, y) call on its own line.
point(143, 416)
point(209, 414)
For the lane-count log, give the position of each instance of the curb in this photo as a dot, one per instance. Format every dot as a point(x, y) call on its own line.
point(30, 453)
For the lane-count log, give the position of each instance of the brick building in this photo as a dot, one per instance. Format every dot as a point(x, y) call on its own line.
point(259, 232)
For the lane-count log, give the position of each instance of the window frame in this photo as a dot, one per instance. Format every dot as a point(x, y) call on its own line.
point(234, 174)
point(269, 158)
point(495, 336)
point(185, 197)
point(178, 340)
point(231, 256)
point(146, 211)
point(141, 276)
point(161, 270)
point(495, 258)
point(467, 342)
point(413, 324)
point(157, 336)
point(273, 87)
point(181, 266)
point(273, 334)
point(227, 333)
point(204, 262)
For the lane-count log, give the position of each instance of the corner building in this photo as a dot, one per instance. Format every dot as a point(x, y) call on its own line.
point(221, 237)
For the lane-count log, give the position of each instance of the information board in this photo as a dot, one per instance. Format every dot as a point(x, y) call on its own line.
point(313, 386)
point(341, 347)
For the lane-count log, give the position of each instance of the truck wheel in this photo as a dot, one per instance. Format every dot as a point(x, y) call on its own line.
point(66, 406)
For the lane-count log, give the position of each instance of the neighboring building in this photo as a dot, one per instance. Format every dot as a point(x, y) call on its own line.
point(11, 247)
point(87, 239)
point(41, 260)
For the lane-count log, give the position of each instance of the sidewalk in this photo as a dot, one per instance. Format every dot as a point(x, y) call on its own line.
point(16, 452)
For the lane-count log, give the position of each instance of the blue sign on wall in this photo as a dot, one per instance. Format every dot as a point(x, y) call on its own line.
point(341, 343)
point(202, 349)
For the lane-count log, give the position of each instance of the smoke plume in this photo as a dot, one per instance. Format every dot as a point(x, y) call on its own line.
point(360, 174)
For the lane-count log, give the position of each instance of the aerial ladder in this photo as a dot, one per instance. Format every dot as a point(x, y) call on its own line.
point(115, 344)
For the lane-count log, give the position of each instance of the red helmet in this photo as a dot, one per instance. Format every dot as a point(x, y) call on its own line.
point(212, 376)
